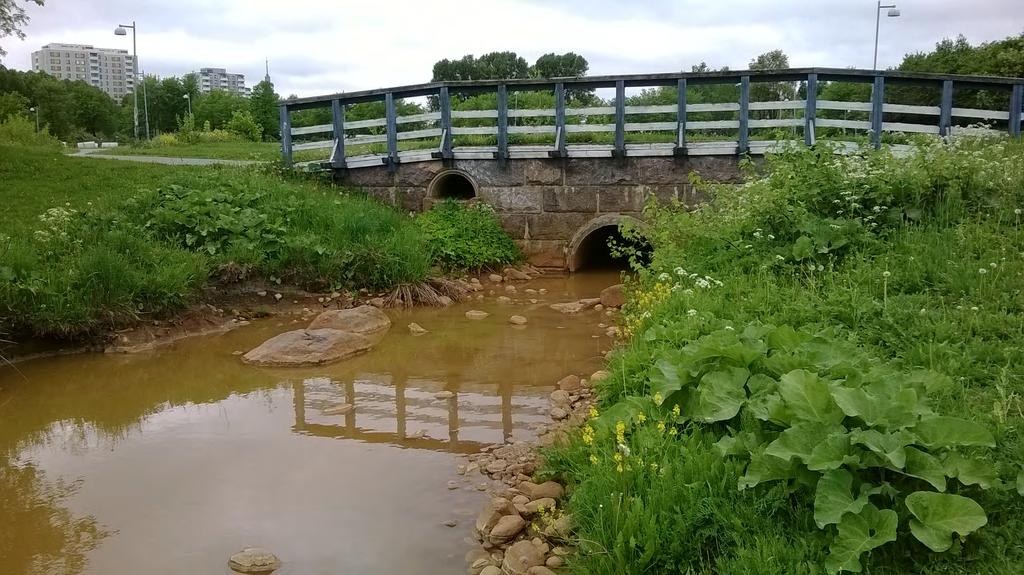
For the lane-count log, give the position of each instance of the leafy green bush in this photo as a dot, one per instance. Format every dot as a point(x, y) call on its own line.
point(467, 236)
point(314, 236)
point(19, 130)
point(834, 426)
point(242, 123)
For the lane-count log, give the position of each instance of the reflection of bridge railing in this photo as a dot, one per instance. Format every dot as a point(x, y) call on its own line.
point(376, 407)
point(655, 130)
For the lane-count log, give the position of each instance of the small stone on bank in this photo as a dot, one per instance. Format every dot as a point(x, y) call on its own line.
point(451, 523)
point(254, 560)
point(495, 278)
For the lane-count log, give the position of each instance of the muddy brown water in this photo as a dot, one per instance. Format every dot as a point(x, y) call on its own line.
point(170, 460)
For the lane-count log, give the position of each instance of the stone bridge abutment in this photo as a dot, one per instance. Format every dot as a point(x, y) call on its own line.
point(554, 208)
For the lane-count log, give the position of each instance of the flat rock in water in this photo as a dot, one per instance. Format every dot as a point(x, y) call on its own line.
point(517, 320)
point(416, 329)
point(307, 347)
point(254, 560)
point(613, 296)
point(364, 319)
point(575, 306)
point(476, 314)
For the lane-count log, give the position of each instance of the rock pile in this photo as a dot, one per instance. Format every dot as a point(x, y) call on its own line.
point(523, 530)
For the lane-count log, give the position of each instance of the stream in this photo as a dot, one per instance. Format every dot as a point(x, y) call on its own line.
point(169, 461)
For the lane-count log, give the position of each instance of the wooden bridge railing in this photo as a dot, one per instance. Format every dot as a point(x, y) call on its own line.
point(741, 126)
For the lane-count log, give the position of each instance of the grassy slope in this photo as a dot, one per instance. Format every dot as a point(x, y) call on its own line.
point(257, 151)
point(35, 179)
point(915, 297)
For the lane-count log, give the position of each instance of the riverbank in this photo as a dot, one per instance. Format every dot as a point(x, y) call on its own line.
point(823, 372)
point(89, 249)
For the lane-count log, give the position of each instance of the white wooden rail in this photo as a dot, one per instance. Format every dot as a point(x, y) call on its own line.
point(680, 128)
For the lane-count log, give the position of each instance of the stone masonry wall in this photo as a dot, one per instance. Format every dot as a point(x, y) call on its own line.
point(545, 203)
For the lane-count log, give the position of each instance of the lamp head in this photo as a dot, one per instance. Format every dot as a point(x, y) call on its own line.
point(120, 31)
point(31, 109)
point(893, 13)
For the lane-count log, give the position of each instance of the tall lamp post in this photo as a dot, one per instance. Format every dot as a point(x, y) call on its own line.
point(189, 98)
point(892, 13)
point(36, 110)
point(121, 31)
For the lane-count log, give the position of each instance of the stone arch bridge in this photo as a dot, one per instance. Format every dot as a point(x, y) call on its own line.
point(564, 170)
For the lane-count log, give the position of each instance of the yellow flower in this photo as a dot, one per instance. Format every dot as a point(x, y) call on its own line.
point(654, 467)
point(593, 412)
point(617, 456)
point(593, 459)
point(658, 398)
point(620, 432)
point(618, 468)
point(641, 417)
point(672, 431)
point(675, 410)
point(661, 426)
point(588, 435)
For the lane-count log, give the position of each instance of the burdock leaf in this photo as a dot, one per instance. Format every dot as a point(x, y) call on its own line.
point(834, 498)
point(938, 515)
point(952, 431)
point(859, 533)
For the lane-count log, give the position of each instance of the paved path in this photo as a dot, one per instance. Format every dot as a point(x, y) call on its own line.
point(168, 160)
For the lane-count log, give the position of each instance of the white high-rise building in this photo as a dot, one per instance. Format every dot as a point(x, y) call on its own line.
point(110, 70)
point(211, 79)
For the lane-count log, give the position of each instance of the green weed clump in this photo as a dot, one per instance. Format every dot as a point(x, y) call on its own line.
point(824, 374)
point(469, 236)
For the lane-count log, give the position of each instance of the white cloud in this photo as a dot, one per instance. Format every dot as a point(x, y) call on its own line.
point(319, 47)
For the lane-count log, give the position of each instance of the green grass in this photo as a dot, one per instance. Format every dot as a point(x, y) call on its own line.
point(897, 266)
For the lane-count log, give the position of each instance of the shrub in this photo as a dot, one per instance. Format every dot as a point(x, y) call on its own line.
point(187, 132)
point(467, 236)
point(19, 130)
point(242, 123)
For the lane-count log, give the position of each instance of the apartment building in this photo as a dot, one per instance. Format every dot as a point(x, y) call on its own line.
point(111, 70)
point(211, 79)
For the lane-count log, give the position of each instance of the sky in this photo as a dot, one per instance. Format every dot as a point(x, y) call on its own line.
point(321, 46)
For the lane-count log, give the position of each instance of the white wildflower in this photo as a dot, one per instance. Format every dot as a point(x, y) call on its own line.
point(691, 312)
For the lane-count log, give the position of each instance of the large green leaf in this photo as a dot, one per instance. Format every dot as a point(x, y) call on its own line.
point(938, 515)
point(971, 471)
point(808, 397)
point(925, 466)
point(832, 453)
point(666, 377)
point(785, 338)
point(800, 440)
point(877, 408)
point(890, 446)
point(833, 498)
point(859, 533)
point(720, 394)
point(952, 431)
point(766, 468)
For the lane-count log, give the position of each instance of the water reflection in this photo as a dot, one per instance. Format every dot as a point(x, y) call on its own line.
point(150, 446)
point(39, 534)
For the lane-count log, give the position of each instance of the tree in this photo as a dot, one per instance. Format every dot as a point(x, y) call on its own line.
point(568, 65)
point(11, 104)
point(12, 19)
point(263, 105)
point(490, 66)
point(771, 91)
point(217, 107)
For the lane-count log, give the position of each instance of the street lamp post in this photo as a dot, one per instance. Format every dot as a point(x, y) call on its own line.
point(36, 110)
point(892, 13)
point(189, 98)
point(120, 31)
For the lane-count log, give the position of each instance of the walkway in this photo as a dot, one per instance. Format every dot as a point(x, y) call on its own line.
point(167, 160)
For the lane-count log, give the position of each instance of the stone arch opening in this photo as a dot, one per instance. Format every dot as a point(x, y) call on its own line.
point(590, 247)
point(452, 185)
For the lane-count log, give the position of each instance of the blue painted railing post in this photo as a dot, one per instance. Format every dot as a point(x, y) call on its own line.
point(877, 101)
point(620, 119)
point(392, 127)
point(811, 110)
point(681, 117)
point(286, 136)
point(338, 116)
point(502, 123)
point(744, 144)
point(1016, 103)
point(445, 103)
point(560, 119)
point(946, 108)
